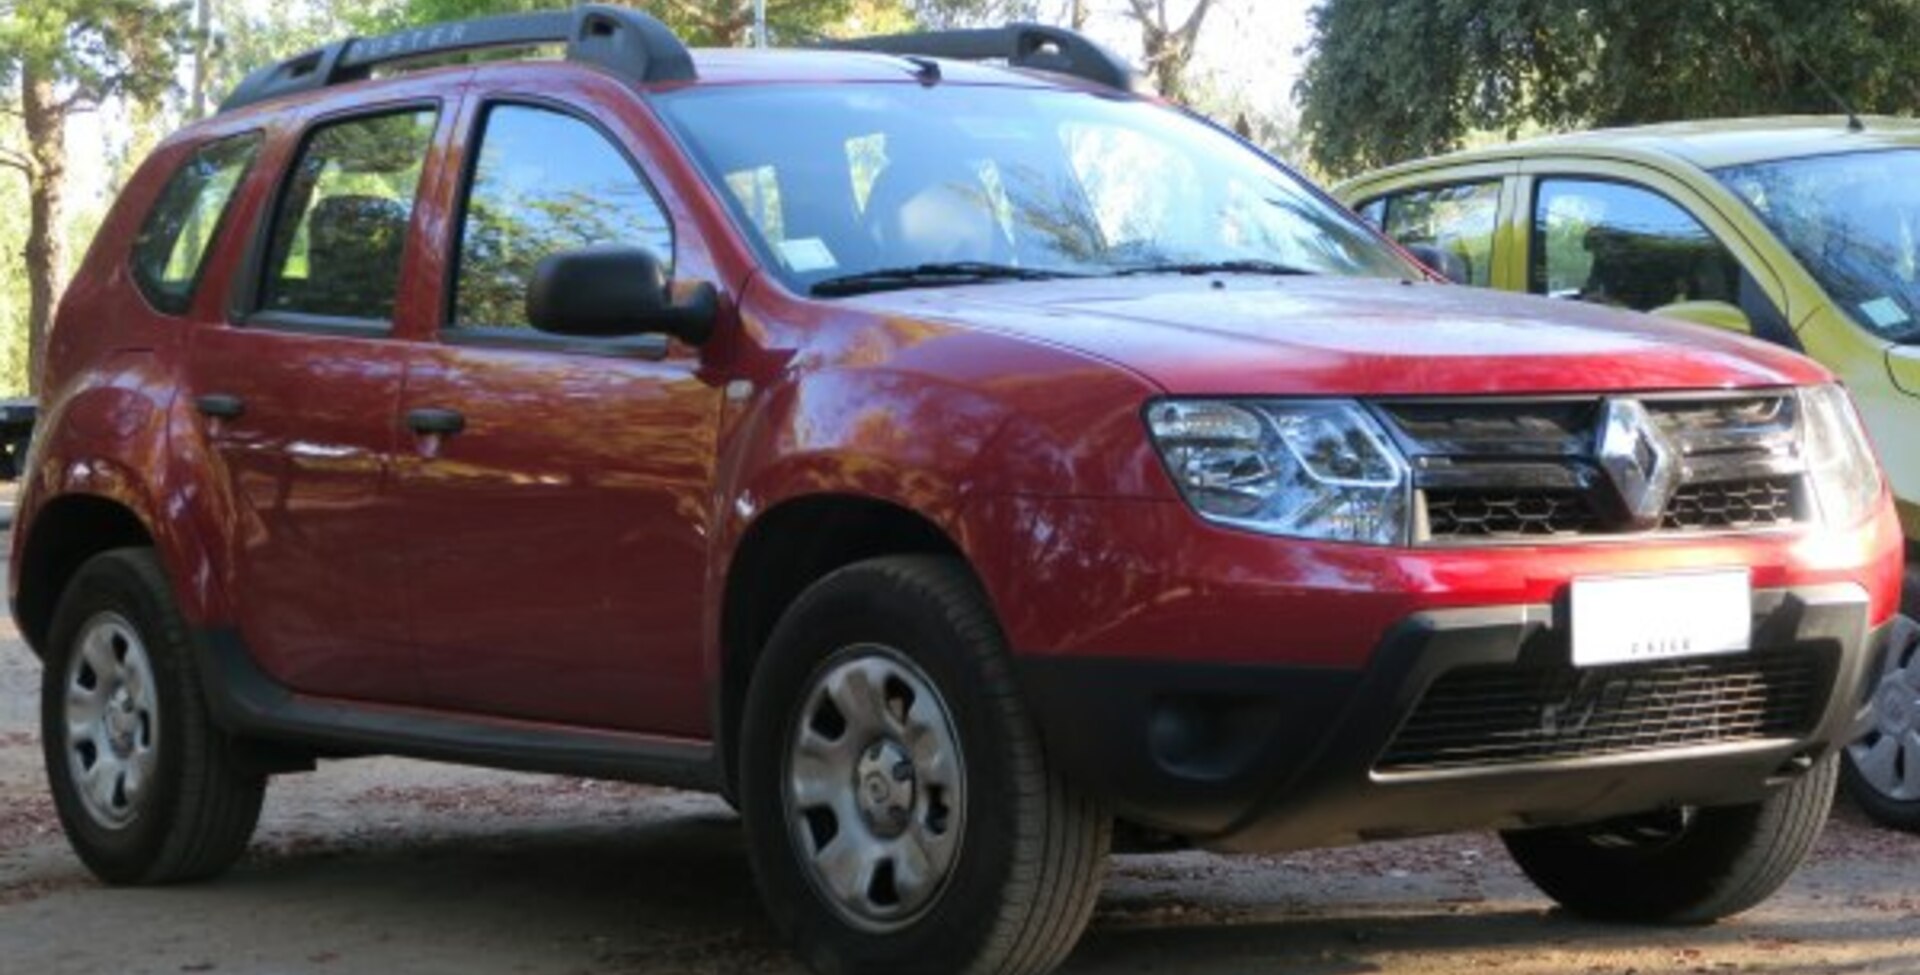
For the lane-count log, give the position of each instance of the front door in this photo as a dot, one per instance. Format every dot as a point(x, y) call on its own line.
point(296, 397)
point(556, 490)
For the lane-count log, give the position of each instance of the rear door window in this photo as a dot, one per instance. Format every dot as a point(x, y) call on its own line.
point(172, 244)
point(1458, 219)
point(1625, 246)
point(340, 229)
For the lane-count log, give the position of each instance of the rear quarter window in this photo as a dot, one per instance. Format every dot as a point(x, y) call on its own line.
point(171, 248)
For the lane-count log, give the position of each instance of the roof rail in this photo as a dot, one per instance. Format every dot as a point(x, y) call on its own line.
point(627, 42)
point(1021, 45)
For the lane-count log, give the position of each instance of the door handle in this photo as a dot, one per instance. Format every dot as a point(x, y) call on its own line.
point(435, 421)
point(221, 406)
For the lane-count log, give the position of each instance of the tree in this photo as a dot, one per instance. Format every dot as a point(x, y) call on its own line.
point(1388, 80)
point(710, 23)
point(1167, 44)
point(59, 58)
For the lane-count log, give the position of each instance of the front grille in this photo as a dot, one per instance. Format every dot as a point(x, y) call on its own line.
point(1469, 513)
point(1491, 471)
point(1763, 502)
point(1494, 715)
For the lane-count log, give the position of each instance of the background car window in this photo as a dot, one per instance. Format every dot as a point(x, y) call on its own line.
point(1853, 220)
point(1458, 219)
point(173, 241)
point(1374, 211)
point(545, 182)
point(341, 226)
point(1624, 246)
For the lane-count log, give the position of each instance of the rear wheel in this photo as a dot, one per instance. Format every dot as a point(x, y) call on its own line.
point(144, 784)
point(1882, 774)
point(899, 810)
point(1692, 866)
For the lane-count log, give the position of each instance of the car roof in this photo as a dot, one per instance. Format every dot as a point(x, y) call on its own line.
point(1706, 144)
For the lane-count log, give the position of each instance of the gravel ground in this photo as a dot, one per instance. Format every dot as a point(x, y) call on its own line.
point(387, 866)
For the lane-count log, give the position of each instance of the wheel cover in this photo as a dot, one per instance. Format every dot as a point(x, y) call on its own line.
point(112, 717)
point(875, 797)
point(1887, 757)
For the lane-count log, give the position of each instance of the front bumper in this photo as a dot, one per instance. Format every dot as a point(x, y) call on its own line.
point(1262, 757)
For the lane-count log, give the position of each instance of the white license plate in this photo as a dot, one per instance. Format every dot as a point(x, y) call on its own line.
point(1632, 619)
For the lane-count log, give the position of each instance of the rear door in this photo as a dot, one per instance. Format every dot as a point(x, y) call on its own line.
point(556, 491)
point(297, 392)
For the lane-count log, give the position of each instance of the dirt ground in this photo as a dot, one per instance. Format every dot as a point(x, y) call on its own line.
point(387, 866)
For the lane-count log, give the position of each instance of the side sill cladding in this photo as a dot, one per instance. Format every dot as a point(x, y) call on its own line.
point(252, 706)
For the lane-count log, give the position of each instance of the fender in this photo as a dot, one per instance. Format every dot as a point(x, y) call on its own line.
point(111, 437)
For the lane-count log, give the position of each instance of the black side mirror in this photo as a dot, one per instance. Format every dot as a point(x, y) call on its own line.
point(1439, 259)
point(606, 292)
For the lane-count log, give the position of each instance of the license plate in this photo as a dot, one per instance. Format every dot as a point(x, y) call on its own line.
point(1633, 619)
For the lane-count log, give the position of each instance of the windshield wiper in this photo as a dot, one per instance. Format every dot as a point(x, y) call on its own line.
point(1241, 266)
point(928, 276)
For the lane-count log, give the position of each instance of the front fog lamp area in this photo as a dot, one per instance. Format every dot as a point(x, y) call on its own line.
point(1305, 469)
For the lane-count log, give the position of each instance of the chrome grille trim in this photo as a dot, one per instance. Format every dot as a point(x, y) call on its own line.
point(1480, 465)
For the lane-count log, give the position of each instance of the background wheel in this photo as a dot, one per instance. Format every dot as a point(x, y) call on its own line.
point(144, 785)
point(1680, 867)
point(900, 813)
point(1882, 773)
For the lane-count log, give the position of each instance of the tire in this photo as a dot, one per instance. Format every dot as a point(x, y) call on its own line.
point(1910, 592)
point(1010, 857)
point(1882, 770)
point(1682, 867)
point(170, 805)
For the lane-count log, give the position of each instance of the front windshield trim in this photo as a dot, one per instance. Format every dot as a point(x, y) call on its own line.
point(1726, 175)
point(1383, 258)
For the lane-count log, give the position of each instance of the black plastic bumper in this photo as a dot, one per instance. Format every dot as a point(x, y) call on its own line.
point(1272, 757)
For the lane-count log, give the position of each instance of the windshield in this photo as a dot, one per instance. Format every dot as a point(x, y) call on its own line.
point(840, 181)
point(1854, 222)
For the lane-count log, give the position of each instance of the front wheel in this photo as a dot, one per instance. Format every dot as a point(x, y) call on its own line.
point(1686, 866)
point(144, 784)
point(899, 809)
point(1882, 773)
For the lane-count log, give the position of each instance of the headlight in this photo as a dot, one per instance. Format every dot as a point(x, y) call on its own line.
point(1302, 468)
point(1840, 461)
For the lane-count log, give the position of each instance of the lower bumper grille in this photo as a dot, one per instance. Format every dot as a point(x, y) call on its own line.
point(1508, 714)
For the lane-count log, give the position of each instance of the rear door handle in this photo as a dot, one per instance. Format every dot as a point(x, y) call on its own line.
point(436, 421)
point(222, 406)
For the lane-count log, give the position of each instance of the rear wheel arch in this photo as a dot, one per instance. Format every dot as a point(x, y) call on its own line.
point(62, 536)
point(785, 550)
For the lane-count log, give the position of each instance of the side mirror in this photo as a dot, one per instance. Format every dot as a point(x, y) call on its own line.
point(606, 292)
point(1445, 262)
point(1718, 314)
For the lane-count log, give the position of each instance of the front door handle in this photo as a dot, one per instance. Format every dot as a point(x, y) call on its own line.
point(221, 406)
point(435, 421)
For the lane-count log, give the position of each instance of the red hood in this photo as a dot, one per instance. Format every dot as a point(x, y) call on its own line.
point(1321, 335)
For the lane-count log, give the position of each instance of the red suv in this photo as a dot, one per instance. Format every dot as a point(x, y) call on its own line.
point(943, 460)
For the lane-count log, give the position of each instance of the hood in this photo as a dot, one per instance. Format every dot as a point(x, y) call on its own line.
point(1246, 335)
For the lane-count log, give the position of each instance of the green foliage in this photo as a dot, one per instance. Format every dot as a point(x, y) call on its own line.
point(1396, 79)
point(706, 23)
point(94, 49)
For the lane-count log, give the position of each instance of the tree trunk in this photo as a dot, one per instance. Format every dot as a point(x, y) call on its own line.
point(1078, 15)
point(202, 50)
point(45, 122)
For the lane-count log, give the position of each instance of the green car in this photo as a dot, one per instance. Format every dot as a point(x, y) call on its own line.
point(1804, 231)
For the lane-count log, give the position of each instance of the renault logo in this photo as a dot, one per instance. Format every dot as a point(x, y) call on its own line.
point(1637, 460)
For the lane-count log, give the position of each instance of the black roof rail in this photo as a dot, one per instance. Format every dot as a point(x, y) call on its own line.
point(1022, 45)
point(627, 42)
